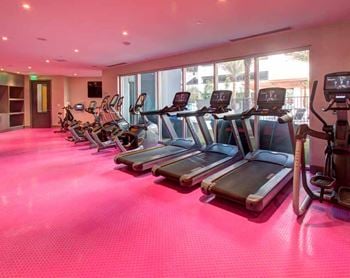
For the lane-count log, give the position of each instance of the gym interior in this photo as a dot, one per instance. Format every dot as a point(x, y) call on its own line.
point(174, 138)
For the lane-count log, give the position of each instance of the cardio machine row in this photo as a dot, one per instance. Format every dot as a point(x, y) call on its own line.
point(110, 128)
point(222, 169)
point(255, 179)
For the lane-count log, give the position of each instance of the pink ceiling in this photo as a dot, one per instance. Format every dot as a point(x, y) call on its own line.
point(156, 28)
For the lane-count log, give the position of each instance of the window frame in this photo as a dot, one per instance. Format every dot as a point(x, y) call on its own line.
point(254, 56)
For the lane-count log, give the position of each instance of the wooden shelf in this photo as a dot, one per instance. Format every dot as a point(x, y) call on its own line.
point(16, 92)
point(16, 119)
point(11, 101)
point(4, 96)
point(16, 106)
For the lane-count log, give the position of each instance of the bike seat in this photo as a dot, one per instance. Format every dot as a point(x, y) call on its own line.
point(344, 196)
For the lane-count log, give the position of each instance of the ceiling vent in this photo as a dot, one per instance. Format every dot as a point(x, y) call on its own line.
point(116, 65)
point(262, 34)
point(41, 39)
point(60, 60)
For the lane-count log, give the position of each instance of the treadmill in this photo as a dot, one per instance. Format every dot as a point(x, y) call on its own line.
point(256, 180)
point(191, 169)
point(141, 160)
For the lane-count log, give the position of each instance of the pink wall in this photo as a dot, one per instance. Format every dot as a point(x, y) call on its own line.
point(329, 52)
point(77, 93)
point(57, 97)
point(63, 90)
point(26, 101)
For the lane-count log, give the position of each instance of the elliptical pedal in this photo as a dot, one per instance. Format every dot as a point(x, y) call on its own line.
point(344, 196)
point(325, 183)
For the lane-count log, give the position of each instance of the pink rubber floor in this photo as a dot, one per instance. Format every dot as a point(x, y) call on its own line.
point(66, 211)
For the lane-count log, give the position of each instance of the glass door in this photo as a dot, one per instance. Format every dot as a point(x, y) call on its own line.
point(129, 92)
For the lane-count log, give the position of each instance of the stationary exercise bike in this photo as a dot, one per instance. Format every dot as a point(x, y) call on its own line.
point(65, 119)
point(77, 128)
point(333, 184)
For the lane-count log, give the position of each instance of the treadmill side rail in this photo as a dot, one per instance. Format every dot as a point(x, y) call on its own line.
point(260, 199)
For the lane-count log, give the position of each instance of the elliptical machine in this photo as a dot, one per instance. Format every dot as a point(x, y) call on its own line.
point(334, 182)
point(140, 135)
point(77, 128)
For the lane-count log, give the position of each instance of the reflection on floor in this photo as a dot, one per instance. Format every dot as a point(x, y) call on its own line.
point(66, 211)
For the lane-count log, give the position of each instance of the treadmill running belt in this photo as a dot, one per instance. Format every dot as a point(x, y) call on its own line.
point(190, 164)
point(238, 184)
point(149, 155)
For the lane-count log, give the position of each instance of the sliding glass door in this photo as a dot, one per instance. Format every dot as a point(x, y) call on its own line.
point(129, 92)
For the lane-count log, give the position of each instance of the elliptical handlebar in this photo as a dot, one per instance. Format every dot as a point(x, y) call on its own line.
point(287, 118)
point(312, 98)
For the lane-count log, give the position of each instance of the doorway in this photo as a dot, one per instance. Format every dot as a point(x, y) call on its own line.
point(41, 103)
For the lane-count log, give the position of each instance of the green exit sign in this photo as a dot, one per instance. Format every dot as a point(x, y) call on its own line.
point(33, 77)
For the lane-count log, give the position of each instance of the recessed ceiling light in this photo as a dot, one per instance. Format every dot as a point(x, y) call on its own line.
point(76, 50)
point(26, 6)
point(199, 22)
point(29, 67)
point(125, 33)
point(221, 1)
point(47, 61)
point(2, 69)
point(4, 38)
point(18, 72)
point(75, 74)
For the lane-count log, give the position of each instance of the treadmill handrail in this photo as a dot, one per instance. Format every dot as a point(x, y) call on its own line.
point(153, 112)
point(264, 112)
point(230, 116)
point(204, 110)
point(187, 114)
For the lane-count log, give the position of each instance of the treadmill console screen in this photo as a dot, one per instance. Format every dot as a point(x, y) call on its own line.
point(271, 97)
point(220, 98)
point(337, 86)
point(181, 99)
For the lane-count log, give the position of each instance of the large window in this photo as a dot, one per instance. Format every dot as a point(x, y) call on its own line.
point(148, 86)
point(199, 81)
point(238, 77)
point(170, 82)
point(129, 91)
point(290, 71)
